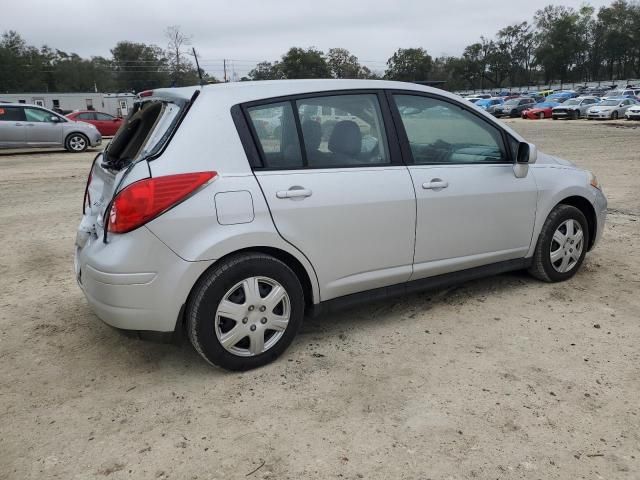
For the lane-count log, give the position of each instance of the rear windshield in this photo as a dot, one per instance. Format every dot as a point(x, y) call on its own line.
point(144, 133)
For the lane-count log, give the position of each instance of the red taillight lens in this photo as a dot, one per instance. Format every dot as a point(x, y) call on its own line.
point(144, 200)
point(146, 93)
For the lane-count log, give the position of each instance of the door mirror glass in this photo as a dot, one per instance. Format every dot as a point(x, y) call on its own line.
point(54, 119)
point(526, 153)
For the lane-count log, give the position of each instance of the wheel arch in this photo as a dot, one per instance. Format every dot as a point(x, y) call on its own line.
point(585, 206)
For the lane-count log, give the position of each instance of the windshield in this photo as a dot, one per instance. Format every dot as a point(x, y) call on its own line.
point(572, 101)
point(144, 133)
point(512, 101)
point(609, 103)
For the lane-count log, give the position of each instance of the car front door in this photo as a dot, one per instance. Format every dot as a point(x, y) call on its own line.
point(338, 192)
point(42, 131)
point(472, 210)
point(106, 124)
point(13, 132)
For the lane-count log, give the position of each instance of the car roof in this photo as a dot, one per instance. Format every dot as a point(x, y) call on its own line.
point(240, 92)
point(228, 94)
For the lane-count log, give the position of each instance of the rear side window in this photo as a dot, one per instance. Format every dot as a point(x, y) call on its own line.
point(275, 128)
point(352, 134)
point(85, 116)
point(11, 114)
point(103, 116)
point(321, 132)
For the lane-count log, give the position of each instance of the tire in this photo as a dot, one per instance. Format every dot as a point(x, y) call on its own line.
point(555, 118)
point(514, 113)
point(614, 115)
point(575, 115)
point(76, 143)
point(226, 284)
point(544, 267)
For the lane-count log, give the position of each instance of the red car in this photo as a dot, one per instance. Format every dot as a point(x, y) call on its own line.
point(539, 110)
point(106, 124)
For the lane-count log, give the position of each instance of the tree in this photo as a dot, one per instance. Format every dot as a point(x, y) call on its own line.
point(342, 64)
point(409, 64)
point(266, 71)
point(139, 67)
point(181, 69)
point(301, 63)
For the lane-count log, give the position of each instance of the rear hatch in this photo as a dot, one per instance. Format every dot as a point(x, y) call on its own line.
point(146, 131)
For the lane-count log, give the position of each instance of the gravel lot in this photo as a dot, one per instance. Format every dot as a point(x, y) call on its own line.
point(503, 378)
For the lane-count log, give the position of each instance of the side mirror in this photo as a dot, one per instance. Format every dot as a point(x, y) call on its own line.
point(54, 119)
point(527, 153)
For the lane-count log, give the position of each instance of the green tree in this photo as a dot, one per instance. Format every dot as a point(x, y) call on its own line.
point(301, 63)
point(409, 64)
point(139, 67)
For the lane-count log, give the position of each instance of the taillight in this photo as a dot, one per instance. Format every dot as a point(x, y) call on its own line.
point(144, 200)
point(146, 93)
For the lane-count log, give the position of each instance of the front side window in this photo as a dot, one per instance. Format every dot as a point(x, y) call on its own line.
point(441, 132)
point(351, 135)
point(275, 127)
point(11, 114)
point(35, 115)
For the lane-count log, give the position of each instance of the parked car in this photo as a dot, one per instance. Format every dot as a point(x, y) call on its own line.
point(559, 97)
point(30, 126)
point(106, 124)
point(489, 104)
point(574, 108)
point(622, 93)
point(232, 234)
point(633, 112)
point(611, 108)
point(539, 110)
point(513, 107)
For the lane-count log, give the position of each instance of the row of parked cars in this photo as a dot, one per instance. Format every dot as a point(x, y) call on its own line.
point(26, 126)
point(566, 104)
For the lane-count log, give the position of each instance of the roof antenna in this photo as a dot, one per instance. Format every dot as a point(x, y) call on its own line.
point(198, 66)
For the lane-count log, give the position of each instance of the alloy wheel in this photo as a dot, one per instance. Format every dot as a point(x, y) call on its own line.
point(77, 143)
point(566, 246)
point(252, 316)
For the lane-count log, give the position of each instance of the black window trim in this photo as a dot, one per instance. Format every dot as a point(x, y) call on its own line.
point(253, 148)
point(20, 109)
point(403, 138)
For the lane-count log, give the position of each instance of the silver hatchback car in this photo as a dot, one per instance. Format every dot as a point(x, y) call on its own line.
point(31, 126)
point(233, 210)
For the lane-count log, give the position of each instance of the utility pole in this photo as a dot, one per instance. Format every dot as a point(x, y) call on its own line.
point(224, 66)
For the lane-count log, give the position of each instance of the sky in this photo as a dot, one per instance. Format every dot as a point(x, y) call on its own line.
point(248, 31)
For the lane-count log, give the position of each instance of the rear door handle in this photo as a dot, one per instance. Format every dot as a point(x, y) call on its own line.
point(18, 124)
point(294, 192)
point(435, 184)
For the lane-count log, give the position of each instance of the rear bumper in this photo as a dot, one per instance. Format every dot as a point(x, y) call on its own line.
point(135, 282)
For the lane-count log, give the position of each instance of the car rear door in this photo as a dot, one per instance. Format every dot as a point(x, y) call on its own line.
point(471, 208)
point(13, 132)
point(41, 131)
point(338, 192)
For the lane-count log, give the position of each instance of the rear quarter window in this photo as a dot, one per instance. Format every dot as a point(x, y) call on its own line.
point(11, 114)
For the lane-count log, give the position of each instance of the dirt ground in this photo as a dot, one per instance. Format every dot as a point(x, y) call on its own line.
point(502, 378)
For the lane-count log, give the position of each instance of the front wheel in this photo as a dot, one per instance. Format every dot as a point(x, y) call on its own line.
point(562, 245)
point(614, 115)
point(245, 312)
point(541, 115)
point(76, 143)
point(576, 115)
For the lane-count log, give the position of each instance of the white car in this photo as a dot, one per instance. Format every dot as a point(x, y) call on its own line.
point(610, 109)
point(633, 113)
point(195, 219)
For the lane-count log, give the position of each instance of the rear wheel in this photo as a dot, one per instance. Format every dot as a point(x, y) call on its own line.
point(245, 312)
point(76, 143)
point(562, 245)
point(614, 115)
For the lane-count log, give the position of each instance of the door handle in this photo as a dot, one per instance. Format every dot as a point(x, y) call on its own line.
point(294, 192)
point(435, 184)
point(18, 124)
